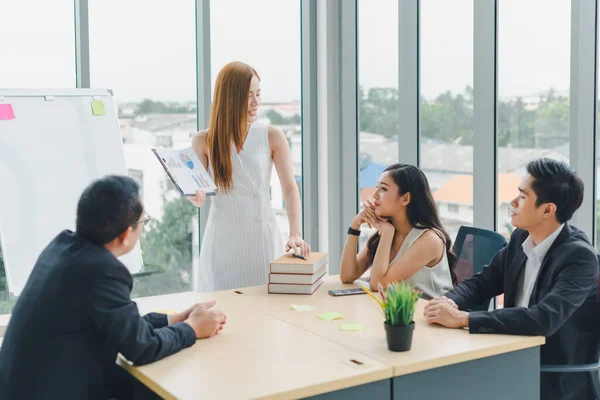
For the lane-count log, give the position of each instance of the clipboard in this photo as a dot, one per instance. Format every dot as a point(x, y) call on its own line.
point(185, 171)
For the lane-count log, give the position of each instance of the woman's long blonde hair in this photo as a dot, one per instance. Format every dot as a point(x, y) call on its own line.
point(228, 120)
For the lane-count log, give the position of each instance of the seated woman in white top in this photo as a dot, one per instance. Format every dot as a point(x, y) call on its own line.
point(410, 244)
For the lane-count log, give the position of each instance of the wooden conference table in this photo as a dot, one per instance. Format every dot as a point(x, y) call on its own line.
point(269, 351)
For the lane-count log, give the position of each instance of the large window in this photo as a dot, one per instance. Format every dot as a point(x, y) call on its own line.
point(266, 35)
point(447, 108)
point(37, 50)
point(533, 91)
point(146, 53)
point(378, 117)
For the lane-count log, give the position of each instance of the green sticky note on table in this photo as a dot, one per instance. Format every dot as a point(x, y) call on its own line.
point(330, 316)
point(98, 107)
point(351, 327)
point(302, 308)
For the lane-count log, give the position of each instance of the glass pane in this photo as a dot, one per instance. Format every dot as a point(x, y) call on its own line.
point(533, 92)
point(533, 89)
point(153, 74)
point(378, 117)
point(6, 303)
point(597, 166)
point(246, 31)
point(37, 44)
point(447, 108)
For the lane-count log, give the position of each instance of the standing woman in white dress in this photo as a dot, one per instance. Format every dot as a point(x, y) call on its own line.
point(241, 236)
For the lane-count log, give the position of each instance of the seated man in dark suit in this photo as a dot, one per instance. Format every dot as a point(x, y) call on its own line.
point(549, 276)
point(75, 313)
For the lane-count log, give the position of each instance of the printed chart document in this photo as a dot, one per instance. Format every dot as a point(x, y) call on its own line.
point(186, 171)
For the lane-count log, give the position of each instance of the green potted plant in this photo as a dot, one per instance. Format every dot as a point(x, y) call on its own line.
point(398, 305)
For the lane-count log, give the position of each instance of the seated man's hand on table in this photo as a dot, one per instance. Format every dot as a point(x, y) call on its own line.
point(443, 311)
point(205, 320)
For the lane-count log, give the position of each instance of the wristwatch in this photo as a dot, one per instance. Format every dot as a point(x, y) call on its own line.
point(352, 231)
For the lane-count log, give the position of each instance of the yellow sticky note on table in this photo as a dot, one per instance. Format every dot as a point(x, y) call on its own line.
point(302, 308)
point(330, 316)
point(351, 327)
point(98, 107)
point(169, 312)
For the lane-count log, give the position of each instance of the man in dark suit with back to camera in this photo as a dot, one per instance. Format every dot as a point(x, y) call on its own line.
point(75, 313)
point(548, 274)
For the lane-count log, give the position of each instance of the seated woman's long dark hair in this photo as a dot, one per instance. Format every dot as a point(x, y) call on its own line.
point(421, 211)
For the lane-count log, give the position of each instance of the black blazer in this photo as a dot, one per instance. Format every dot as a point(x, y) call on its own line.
point(73, 316)
point(563, 306)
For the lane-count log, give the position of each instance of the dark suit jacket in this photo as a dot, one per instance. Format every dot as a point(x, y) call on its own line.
point(73, 316)
point(562, 306)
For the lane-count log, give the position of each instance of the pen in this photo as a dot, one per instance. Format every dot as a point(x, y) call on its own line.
point(372, 296)
point(299, 256)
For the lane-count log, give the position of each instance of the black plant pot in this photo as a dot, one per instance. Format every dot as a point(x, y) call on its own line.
point(399, 338)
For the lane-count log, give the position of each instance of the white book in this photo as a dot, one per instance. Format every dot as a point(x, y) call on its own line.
point(298, 278)
point(186, 171)
point(286, 288)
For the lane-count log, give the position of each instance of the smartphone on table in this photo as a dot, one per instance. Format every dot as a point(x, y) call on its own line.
point(346, 292)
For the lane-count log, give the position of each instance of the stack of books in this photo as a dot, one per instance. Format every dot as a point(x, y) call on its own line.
point(292, 275)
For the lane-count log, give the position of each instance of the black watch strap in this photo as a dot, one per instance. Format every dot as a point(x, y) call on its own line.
point(352, 231)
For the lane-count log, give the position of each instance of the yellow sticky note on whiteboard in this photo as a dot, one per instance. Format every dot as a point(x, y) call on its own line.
point(98, 107)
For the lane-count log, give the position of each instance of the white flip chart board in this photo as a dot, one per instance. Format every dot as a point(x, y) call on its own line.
point(52, 148)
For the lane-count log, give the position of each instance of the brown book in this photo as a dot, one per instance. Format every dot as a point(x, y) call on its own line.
point(303, 279)
point(289, 264)
point(287, 288)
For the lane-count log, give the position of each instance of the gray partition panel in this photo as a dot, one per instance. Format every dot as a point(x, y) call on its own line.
point(376, 390)
point(513, 375)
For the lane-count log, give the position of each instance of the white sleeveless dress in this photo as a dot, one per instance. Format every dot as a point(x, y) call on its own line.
point(241, 236)
point(432, 281)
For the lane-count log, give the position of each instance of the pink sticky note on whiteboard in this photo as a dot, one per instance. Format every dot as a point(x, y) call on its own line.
point(6, 112)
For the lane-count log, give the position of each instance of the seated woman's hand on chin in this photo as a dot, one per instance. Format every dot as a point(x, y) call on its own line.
point(368, 216)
